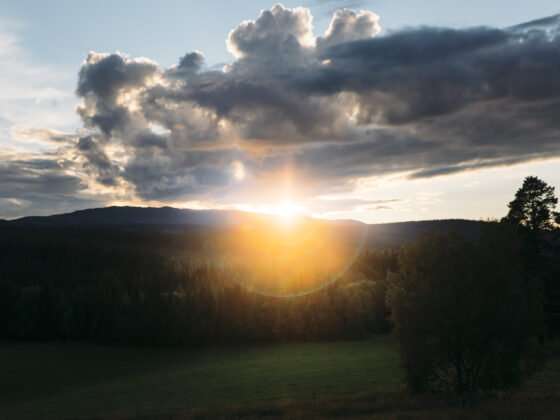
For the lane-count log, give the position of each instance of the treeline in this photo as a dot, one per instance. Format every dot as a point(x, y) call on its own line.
point(146, 287)
point(157, 288)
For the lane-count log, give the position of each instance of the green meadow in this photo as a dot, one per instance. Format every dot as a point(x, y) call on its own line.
point(69, 380)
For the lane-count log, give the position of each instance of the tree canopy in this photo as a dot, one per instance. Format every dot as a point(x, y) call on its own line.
point(461, 311)
point(534, 206)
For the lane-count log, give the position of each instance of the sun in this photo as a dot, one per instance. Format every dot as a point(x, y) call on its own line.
point(288, 212)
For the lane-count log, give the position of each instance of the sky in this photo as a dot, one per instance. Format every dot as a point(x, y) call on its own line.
point(378, 111)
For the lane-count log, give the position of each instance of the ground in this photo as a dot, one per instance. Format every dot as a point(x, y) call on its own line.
point(68, 380)
point(353, 379)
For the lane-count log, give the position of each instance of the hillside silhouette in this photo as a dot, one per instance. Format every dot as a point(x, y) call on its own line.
point(169, 218)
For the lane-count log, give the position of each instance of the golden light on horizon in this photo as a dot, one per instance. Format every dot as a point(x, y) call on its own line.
point(288, 212)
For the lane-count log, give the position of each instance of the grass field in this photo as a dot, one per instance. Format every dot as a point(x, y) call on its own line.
point(360, 379)
point(68, 380)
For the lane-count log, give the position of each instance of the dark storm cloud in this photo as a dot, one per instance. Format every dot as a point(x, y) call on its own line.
point(104, 75)
point(267, 110)
point(158, 175)
point(37, 175)
point(150, 139)
point(480, 136)
point(344, 161)
point(430, 72)
point(348, 104)
point(37, 185)
point(447, 170)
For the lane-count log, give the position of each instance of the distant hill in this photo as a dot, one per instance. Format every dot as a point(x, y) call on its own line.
point(395, 234)
point(134, 216)
point(378, 235)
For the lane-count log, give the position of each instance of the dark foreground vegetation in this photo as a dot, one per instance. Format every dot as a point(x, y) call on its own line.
point(348, 379)
point(471, 314)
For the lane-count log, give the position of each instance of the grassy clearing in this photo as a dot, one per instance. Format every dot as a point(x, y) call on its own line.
point(538, 399)
point(311, 380)
point(63, 381)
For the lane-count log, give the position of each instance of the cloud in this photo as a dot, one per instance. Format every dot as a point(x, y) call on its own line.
point(330, 205)
point(277, 33)
point(105, 171)
point(430, 71)
point(190, 64)
point(32, 95)
point(108, 83)
point(33, 185)
point(35, 174)
point(549, 25)
point(334, 108)
point(347, 26)
point(48, 136)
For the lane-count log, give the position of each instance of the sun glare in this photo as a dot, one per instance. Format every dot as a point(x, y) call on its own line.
point(288, 212)
point(238, 170)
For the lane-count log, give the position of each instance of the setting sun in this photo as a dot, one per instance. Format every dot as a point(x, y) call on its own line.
point(288, 212)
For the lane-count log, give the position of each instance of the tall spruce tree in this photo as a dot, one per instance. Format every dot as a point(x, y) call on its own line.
point(534, 205)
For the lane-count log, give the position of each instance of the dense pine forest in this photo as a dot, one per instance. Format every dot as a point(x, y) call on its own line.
point(162, 287)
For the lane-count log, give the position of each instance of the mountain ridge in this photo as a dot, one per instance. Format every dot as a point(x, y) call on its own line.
point(119, 218)
point(167, 215)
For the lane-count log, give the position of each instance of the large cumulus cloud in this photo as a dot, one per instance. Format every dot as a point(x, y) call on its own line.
point(348, 25)
point(350, 103)
point(277, 33)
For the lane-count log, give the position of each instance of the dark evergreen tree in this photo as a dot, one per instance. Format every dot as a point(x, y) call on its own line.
point(534, 205)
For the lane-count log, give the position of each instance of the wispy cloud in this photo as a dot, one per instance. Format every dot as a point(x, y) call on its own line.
point(34, 173)
point(32, 95)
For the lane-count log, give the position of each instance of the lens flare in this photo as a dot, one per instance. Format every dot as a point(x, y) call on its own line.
point(273, 260)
